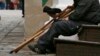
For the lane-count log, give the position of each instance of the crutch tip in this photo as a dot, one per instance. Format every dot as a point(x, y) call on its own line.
point(10, 52)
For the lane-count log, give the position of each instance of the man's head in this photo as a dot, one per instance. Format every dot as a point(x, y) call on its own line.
point(51, 11)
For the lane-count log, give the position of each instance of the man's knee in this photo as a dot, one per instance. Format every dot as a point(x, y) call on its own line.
point(58, 24)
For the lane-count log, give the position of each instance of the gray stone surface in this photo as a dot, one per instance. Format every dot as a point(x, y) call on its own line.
point(12, 34)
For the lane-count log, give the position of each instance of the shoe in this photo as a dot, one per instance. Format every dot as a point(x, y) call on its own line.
point(40, 50)
point(36, 49)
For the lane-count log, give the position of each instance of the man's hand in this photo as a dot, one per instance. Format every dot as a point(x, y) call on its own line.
point(66, 18)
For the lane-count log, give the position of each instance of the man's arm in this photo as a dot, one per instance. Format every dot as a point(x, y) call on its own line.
point(81, 9)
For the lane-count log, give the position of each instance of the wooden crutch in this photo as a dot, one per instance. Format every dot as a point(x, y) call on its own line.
point(37, 33)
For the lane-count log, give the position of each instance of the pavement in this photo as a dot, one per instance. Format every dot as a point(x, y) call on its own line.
point(12, 34)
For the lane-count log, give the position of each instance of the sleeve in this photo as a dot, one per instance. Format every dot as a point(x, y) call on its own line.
point(80, 10)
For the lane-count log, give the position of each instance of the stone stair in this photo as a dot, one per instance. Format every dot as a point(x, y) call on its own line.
point(12, 34)
point(13, 38)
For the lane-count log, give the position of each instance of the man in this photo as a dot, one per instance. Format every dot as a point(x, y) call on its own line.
point(85, 12)
point(59, 27)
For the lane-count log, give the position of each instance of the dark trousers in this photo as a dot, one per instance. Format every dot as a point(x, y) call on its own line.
point(65, 28)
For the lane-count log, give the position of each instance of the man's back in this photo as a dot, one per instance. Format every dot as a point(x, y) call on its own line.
point(86, 10)
point(93, 13)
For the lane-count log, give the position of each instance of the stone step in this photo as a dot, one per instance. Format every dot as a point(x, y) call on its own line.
point(6, 53)
point(18, 30)
point(15, 34)
point(12, 40)
point(12, 34)
point(6, 48)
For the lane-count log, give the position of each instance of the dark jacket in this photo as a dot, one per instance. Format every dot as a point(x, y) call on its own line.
point(86, 11)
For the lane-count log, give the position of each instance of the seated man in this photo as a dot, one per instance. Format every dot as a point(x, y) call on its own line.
point(64, 27)
point(85, 12)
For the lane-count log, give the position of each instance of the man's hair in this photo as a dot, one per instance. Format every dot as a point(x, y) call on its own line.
point(49, 10)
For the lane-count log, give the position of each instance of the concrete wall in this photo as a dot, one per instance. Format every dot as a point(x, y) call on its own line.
point(34, 17)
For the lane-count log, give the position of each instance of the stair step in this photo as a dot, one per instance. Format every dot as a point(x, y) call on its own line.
point(12, 39)
point(18, 30)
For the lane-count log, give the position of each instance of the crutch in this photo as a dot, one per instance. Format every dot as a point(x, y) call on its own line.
point(39, 32)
